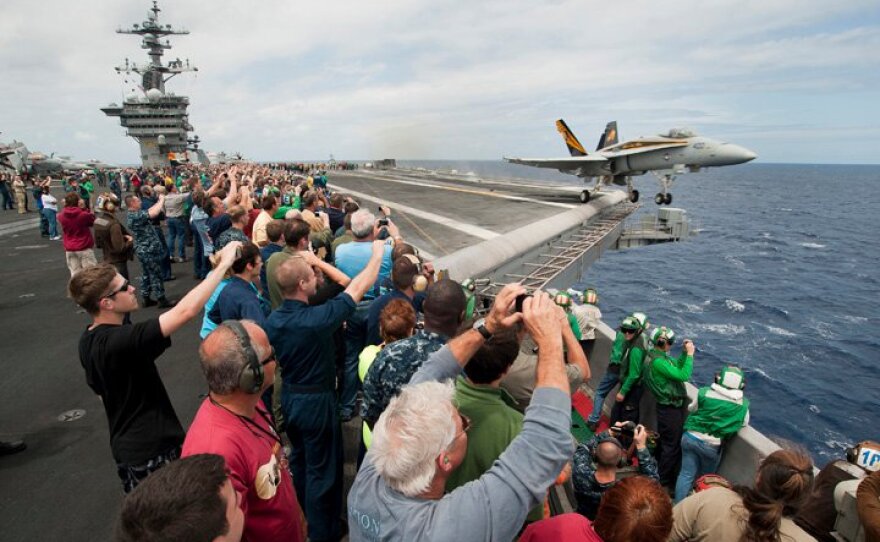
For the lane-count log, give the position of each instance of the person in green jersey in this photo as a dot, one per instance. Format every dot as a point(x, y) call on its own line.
point(665, 377)
point(720, 411)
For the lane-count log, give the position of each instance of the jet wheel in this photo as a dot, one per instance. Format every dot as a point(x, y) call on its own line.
point(634, 196)
point(659, 199)
point(585, 196)
point(668, 200)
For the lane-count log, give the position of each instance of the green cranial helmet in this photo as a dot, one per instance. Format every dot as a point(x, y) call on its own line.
point(591, 296)
point(642, 319)
point(629, 323)
point(731, 377)
point(563, 300)
point(662, 333)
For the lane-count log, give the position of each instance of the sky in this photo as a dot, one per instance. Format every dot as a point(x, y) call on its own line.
point(793, 80)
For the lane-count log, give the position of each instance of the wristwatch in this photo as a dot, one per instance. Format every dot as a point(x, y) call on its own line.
point(480, 325)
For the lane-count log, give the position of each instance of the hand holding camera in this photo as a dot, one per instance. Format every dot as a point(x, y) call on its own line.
point(689, 347)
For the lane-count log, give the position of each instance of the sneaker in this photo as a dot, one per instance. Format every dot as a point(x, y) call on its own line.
point(9, 448)
point(592, 425)
point(164, 303)
point(56, 238)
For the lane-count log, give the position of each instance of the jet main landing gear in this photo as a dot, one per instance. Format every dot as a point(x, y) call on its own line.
point(584, 196)
point(661, 198)
point(664, 196)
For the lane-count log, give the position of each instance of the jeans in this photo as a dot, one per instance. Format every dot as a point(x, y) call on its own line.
point(176, 228)
point(201, 266)
point(51, 223)
point(355, 340)
point(609, 380)
point(7, 197)
point(697, 458)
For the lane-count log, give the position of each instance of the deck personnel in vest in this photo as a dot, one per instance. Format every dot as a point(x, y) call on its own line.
point(588, 315)
point(635, 348)
point(721, 410)
point(623, 353)
point(665, 377)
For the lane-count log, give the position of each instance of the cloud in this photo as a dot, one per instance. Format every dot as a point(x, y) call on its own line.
point(448, 79)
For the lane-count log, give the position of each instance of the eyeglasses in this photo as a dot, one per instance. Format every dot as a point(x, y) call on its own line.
point(123, 288)
point(465, 425)
point(271, 357)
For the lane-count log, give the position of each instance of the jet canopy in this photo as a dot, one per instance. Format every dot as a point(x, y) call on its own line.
point(678, 133)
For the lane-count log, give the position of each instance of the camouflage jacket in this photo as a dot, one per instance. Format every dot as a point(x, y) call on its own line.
point(393, 368)
point(146, 240)
point(587, 489)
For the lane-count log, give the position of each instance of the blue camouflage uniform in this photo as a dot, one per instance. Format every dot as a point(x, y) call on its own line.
point(228, 236)
point(394, 367)
point(587, 489)
point(150, 251)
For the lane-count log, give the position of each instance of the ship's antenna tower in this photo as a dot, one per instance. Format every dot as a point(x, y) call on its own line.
point(157, 120)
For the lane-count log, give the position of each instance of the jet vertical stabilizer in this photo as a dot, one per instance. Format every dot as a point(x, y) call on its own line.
point(574, 146)
point(609, 136)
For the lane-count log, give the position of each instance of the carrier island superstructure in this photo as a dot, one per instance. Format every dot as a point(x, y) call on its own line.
point(157, 119)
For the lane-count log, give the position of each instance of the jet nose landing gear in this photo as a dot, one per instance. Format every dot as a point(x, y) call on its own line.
point(661, 198)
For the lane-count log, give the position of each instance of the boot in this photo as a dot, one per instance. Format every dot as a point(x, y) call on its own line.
point(165, 304)
point(9, 448)
point(149, 302)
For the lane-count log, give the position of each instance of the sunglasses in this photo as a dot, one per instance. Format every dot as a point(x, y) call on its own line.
point(123, 288)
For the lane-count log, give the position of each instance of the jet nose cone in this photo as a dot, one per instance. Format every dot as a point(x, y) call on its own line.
point(740, 155)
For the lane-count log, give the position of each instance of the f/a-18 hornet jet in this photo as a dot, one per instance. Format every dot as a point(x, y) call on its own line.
point(665, 156)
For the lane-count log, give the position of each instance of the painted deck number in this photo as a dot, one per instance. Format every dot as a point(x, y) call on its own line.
point(71, 415)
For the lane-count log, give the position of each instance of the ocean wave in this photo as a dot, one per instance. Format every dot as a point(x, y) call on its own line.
point(739, 264)
point(812, 245)
point(735, 306)
point(780, 331)
point(814, 409)
point(724, 329)
point(853, 319)
point(693, 308)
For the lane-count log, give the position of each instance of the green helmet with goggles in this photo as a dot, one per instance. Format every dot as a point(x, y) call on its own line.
point(591, 296)
point(663, 335)
point(731, 377)
point(630, 324)
point(642, 319)
point(563, 299)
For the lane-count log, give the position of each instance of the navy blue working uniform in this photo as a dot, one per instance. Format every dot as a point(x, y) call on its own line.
point(302, 336)
point(240, 300)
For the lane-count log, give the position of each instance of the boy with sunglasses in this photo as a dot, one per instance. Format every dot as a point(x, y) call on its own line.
point(120, 364)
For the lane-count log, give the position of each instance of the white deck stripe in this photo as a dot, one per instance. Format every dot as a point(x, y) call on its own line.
point(479, 192)
point(469, 229)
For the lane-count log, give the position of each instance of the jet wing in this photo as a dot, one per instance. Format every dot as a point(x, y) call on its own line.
point(590, 162)
point(628, 149)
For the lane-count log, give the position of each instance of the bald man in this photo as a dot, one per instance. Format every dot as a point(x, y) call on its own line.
point(239, 365)
point(302, 337)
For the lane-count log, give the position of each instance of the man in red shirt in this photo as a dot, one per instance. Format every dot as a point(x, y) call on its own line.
point(239, 365)
point(76, 221)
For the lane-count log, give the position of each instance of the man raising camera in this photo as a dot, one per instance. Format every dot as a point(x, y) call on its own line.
point(598, 463)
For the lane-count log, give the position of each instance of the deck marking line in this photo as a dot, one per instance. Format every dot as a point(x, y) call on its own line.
point(469, 229)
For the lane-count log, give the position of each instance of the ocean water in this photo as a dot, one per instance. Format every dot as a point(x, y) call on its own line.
point(783, 280)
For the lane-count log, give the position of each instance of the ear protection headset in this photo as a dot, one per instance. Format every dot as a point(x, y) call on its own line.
point(420, 283)
point(251, 378)
point(621, 458)
point(731, 377)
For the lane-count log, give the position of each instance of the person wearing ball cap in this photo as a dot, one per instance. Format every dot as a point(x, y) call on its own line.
point(624, 367)
point(665, 377)
point(719, 412)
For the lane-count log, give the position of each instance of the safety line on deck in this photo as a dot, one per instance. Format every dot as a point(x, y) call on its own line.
point(477, 192)
point(469, 229)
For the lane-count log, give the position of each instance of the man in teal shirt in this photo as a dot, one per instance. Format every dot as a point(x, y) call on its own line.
point(665, 377)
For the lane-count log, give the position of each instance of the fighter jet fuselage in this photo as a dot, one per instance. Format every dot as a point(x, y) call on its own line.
point(665, 155)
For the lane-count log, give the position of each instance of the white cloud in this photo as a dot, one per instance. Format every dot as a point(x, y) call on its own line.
point(444, 79)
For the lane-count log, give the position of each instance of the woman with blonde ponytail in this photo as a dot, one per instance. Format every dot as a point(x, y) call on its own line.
point(750, 514)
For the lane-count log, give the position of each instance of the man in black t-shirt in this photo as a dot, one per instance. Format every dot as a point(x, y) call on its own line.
point(119, 361)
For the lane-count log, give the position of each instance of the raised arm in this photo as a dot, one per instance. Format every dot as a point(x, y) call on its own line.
point(329, 270)
point(157, 207)
point(193, 302)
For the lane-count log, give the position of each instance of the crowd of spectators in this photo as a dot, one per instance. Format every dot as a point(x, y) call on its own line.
point(315, 311)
